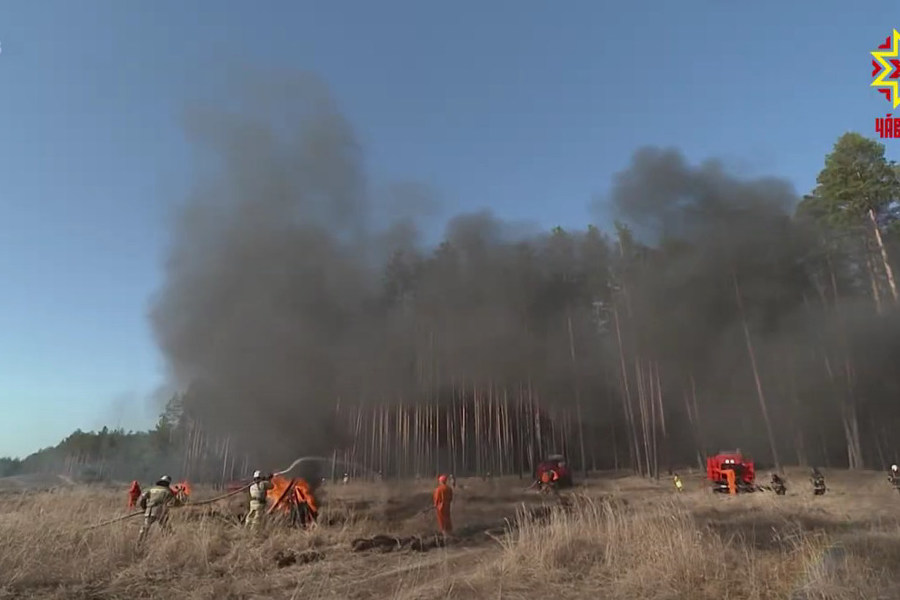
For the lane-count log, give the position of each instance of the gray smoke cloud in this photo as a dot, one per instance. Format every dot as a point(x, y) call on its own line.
point(267, 277)
point(710, 231)
point(287, 289)
point(292, 286)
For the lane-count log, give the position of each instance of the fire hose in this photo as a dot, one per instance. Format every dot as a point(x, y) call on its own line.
point(217, 498)
point(192, 504)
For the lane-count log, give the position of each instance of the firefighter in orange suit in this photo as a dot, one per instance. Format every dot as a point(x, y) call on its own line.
point(732, 484)
point(134, 494)
point(549, 479)
point(442, 497)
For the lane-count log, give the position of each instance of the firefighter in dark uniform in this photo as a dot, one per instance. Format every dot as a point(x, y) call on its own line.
point(778, 485)
point(894, 477)
point(818, 481)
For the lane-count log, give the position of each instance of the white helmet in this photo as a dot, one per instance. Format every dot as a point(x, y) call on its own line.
point(893, 467)
point(257, 474)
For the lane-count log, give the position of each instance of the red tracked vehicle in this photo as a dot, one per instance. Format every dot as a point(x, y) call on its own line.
point(744, 471)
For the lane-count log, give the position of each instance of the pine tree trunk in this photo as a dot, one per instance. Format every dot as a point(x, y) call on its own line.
point(799, 443)
point(884, 255)
point(642, 407)
point(577, 398)
point(626, 398)
point(653, 419)
point(852, 423)
point(662, 422)
point(756, 378)
point(873, 279)
point(701, 456)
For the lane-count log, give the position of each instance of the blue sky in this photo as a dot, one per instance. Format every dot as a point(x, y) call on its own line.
point(524, 107)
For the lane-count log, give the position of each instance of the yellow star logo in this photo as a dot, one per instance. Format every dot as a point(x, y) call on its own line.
point(888, 67)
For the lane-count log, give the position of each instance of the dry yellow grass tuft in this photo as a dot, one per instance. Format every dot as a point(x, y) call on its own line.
point(617, 538)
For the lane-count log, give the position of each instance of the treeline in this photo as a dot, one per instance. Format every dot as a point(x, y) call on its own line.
point(97, 456)
point(113, 454)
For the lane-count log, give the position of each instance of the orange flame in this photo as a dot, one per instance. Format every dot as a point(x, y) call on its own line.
point(303, 493)
point(182, 490)
point(279, 485)
point(300, 492)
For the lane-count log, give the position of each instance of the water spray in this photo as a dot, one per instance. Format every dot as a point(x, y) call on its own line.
point(303, 459)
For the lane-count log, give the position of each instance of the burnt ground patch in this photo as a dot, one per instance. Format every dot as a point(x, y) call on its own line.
point(770, 532)
point(472, 534)
point(287, 558)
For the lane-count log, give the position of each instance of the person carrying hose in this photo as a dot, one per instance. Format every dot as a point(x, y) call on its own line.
point(258, 490)
point(155, 503)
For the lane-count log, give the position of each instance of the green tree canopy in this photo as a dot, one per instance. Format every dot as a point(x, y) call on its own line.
point(856, 178)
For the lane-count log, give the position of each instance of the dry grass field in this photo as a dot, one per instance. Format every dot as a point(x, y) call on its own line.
point(619, 537)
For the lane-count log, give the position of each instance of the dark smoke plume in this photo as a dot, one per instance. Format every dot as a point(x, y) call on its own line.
point(288, 293)
point(264, 310)
point(716, 240)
